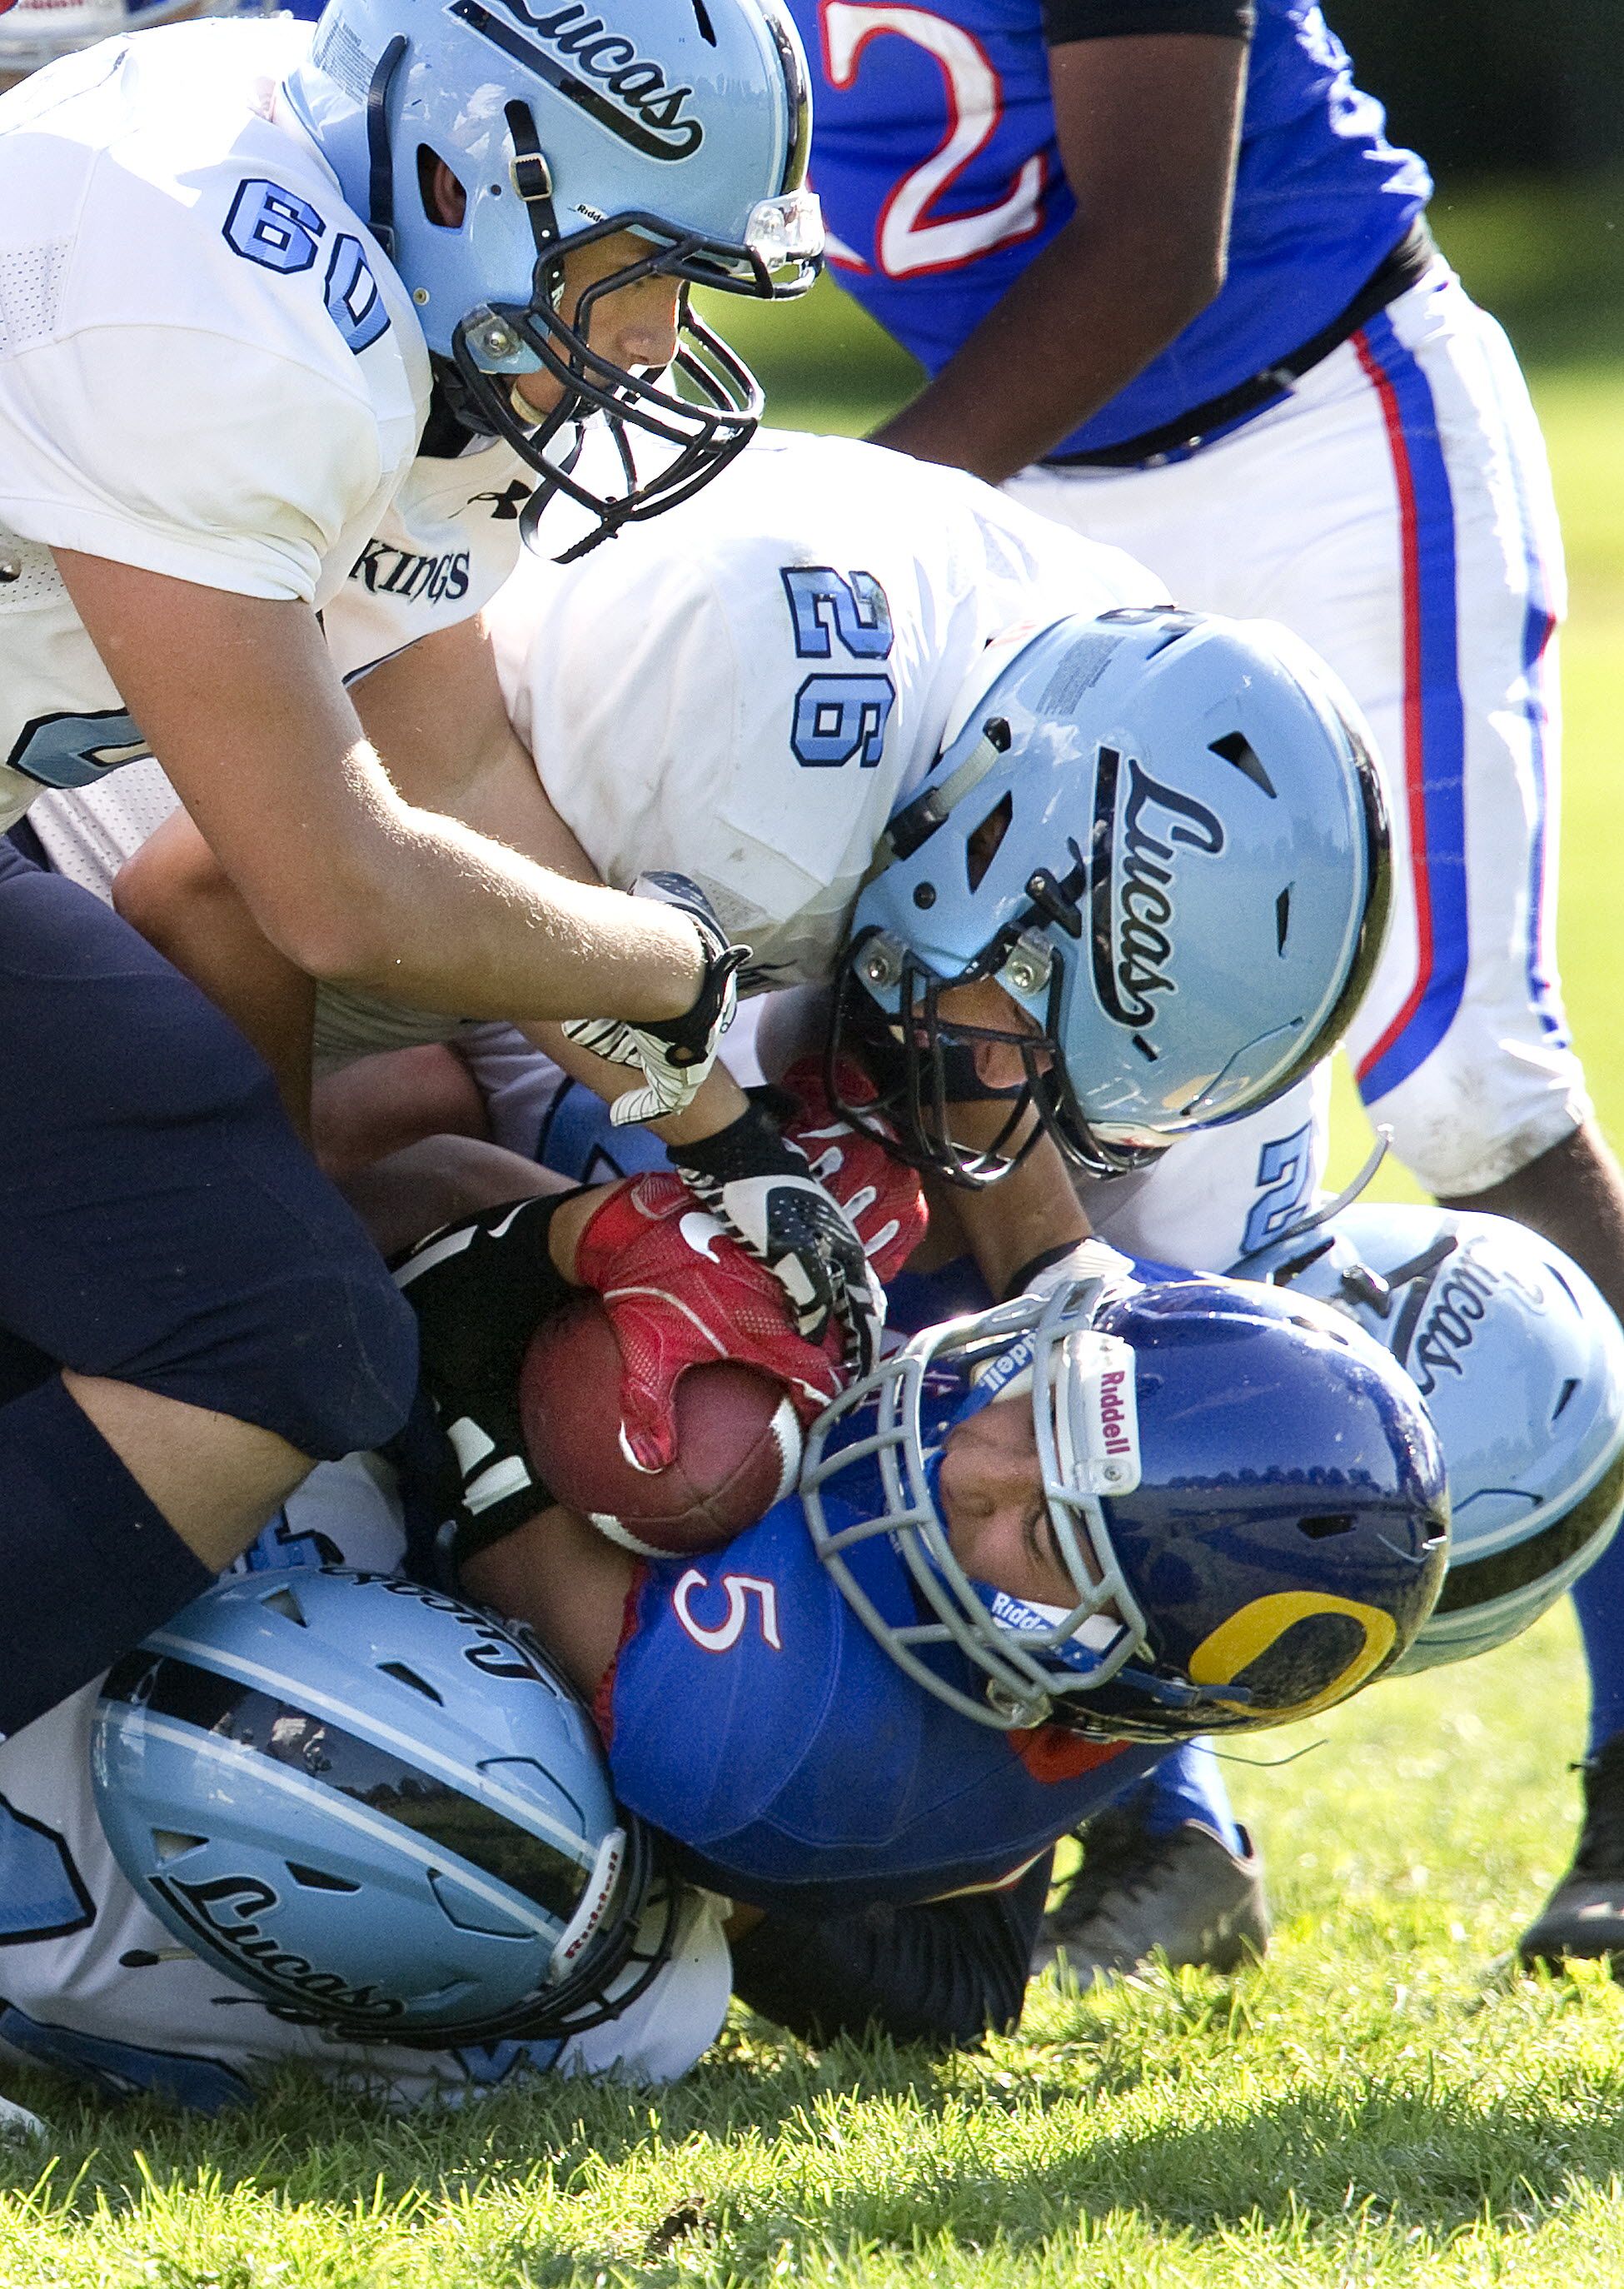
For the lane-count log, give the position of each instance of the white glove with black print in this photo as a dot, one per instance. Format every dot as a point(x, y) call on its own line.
point(674, 1055)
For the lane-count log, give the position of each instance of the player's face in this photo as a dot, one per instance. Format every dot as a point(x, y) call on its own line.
point(984, 1002)
point(991, 1493)
point(633, 325)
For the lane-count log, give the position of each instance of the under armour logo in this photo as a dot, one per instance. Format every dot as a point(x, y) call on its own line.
point(509, 501)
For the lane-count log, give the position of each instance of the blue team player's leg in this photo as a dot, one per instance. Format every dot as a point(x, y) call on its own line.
point(206, 1316)
point(1401, 520)
point(1462, 1047)
point(1585, 1914)
point(1475, 1070)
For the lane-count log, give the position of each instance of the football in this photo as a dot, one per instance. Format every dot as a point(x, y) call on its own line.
point(738, 1441)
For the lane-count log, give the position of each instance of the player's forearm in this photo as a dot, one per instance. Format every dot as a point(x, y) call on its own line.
point(1091, 312)
point(239, 700)
point(564, 1580)
point(426, 912)
point(1147, 128)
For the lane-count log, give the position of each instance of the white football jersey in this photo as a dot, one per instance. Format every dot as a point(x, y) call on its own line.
point(207, 367)
point(446, 543)
point(745, 688)
point(93, 1984)
point(742, 690)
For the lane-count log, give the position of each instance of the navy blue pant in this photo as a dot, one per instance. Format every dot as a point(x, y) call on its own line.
point(162, 1224)
point(163, 1227)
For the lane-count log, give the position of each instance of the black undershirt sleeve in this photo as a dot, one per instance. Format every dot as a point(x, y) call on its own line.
point(945, 1973)
point(477, 1310)
point(1065, 20)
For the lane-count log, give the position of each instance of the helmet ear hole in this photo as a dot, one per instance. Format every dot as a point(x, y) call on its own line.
point(171, 1843)
point(444, 196)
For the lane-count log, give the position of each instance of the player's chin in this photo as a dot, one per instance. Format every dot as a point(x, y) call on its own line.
point(533, 396)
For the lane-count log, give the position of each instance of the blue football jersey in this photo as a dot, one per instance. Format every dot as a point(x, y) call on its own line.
point(751, 1714)
point(934, 152)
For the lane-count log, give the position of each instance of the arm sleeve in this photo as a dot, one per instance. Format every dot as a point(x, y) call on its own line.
point(185, 454)
point(946, 1972)
point(477, 1306)
point(1065, 20)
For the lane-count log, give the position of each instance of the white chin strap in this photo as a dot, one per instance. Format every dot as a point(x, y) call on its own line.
point(1098, 1632)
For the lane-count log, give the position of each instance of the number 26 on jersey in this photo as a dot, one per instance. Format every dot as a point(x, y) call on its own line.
point(843, 711)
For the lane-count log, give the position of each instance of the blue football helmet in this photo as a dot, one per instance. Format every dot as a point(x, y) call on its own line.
point(1521, 1363)
point(563, 125)
point(1245, 1493)
point(34, 33)
point(378, 1808)
point(1162, 834)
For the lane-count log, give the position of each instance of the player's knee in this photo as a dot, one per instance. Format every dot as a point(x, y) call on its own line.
point(261, 1295)
point(1480, 1108)
point(337, 1364)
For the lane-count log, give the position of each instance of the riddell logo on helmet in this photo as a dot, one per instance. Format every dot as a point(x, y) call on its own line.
point(1109, 1423)
point(1116, 1424)
point(1134, 843)
point(623, 91)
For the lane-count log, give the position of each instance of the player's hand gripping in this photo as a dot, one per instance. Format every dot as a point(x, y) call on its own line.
point(758, 1179)
point(881, 1195)
point(679, 1292)
point(673, 1055)
point(480, 1288)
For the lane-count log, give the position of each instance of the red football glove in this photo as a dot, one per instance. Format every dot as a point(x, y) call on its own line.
point(679, 1292)
point(881, 1195)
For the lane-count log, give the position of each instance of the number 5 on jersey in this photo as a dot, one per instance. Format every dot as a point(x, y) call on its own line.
point(840, 714)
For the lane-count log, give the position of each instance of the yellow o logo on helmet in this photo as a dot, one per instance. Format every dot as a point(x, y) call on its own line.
point(1246, 1635)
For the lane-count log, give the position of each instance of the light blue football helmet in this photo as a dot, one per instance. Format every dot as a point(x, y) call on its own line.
point(1521, 1364)
point(1162, 834)
point(686, 123)
point(378, 1808)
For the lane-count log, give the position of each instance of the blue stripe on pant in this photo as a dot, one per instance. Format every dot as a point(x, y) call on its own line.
point(1434, 725)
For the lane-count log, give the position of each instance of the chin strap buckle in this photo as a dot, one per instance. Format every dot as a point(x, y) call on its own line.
point(530, 175)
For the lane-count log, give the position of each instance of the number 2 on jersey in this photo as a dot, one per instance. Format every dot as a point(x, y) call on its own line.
point(909, 236)
point(839, 715)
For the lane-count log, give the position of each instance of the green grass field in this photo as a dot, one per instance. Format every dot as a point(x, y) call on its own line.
point(1380, 2102)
